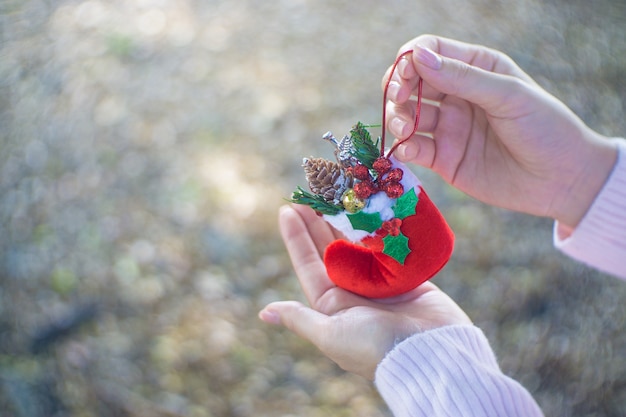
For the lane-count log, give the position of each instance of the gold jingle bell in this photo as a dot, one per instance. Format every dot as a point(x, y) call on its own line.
point(351, 202)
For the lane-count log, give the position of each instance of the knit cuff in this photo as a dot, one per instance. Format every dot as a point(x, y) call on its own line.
point(600, 238)
point(449, 371)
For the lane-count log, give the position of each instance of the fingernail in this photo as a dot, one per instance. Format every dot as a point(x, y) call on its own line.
point(397, 127)
point(402, 66)
point(269, 316)
point(407, 151)
point(392, 90)
point(428, 58)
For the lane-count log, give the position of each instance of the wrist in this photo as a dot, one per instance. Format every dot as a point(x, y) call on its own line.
point(597, 158)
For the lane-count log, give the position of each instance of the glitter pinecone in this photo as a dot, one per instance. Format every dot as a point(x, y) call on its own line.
point(326, 178)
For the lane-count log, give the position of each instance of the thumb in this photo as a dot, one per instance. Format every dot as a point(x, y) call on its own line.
point(493, 91)
point(305, 322)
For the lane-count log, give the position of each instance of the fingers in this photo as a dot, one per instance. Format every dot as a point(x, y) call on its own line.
point(475, 73)
point(356, 341)
point(401, 88)
point(401, 118)
point(500, 96)
point(447, 146)
point(305, 322)
point(475, 55)
point(304, 245)
point(321, 232)
point(489, 90)
point(408, 69)
point(420, 150)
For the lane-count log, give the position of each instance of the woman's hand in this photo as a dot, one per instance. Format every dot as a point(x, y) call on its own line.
point(353, 331)
point(488, 129)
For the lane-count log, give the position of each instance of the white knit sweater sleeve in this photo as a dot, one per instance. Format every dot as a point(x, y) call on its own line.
point(600, 239)
point(450, 371)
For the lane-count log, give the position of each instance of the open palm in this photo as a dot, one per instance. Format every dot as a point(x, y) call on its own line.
point(353, 331)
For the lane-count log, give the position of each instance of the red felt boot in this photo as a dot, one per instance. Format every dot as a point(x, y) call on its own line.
point(396, 237)
point(368, 271)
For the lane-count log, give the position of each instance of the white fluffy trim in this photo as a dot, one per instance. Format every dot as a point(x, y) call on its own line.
point(378, 203)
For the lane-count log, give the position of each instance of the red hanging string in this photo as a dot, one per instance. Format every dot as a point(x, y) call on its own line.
point(417, 109)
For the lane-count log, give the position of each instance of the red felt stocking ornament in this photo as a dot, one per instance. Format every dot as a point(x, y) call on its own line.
point(396, 237)
point(366, 269)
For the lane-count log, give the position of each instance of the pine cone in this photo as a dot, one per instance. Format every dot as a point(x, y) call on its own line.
point(326, 178)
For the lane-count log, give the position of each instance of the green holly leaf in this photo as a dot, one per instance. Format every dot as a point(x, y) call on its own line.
point(397, 247)
point(370, 222)
point(405, 204)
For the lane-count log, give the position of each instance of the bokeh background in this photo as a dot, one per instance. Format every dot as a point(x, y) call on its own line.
point(146, 145)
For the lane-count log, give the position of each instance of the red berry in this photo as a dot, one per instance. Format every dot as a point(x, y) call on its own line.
point(364, 189)
point(361, 172)
point(393, 189)
point(381, 165)
point(395, 175)
point(392, 226)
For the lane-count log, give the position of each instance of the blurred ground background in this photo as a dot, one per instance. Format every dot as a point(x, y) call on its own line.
point(146, 145)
